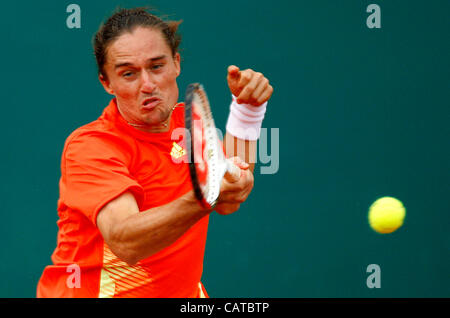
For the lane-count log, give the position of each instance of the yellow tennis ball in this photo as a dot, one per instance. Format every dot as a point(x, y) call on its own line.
point(386, 215)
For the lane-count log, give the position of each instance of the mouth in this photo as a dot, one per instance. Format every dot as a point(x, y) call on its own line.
point(150, 103)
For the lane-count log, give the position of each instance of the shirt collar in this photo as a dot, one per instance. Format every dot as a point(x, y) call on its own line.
point(112, 115)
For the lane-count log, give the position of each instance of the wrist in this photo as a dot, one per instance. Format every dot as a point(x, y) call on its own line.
point(191, 201)
point(245, 120)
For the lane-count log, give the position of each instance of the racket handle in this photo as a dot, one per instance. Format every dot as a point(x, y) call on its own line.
point(233, 172)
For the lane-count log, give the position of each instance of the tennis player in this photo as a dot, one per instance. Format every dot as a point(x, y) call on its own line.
point(129, 224)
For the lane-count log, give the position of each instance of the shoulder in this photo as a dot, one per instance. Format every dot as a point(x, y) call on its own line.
point(97, 139)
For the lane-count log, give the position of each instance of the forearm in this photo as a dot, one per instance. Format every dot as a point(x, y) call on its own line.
point(143, 234)
point(243, 130)
point(244, 149)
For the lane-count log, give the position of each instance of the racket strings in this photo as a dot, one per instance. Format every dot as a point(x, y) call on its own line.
point(208, 167)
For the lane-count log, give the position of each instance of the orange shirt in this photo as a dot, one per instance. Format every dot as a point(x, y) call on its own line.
point(100, 161)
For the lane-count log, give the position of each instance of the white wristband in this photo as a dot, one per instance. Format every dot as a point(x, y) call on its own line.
point(245, 120)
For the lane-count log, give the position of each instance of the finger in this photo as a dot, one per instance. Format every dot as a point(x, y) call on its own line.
point(229, 188)
point(259, 91)
point(226, 208)
point(233, 78)
point(233, 172)
point(243, 165)
point(233, 175)
point(239, 162)
point(265, 95)
point(249, 88)
point(244, 79)
point(233, 71)
point(244, 185)
point(236, 196)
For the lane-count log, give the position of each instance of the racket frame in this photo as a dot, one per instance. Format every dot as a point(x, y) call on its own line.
point(217, 164)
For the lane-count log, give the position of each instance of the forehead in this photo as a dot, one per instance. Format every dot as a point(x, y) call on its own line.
point(141, 44)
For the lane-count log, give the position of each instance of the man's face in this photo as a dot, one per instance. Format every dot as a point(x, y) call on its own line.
point(141, 72)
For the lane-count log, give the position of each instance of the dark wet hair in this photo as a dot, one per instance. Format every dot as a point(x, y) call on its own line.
point(126, 20)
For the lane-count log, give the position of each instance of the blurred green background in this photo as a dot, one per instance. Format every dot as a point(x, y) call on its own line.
point(362, 113)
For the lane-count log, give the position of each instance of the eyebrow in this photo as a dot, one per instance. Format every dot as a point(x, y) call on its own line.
point(153, 59)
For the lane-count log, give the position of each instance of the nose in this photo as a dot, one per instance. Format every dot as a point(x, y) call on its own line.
point(148, 84)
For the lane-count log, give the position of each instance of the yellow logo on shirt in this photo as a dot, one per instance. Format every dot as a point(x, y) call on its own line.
point(177, 151)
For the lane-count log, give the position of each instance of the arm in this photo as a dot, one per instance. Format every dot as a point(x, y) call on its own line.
point(132, 235)
point(251, 88)
point(244, 149)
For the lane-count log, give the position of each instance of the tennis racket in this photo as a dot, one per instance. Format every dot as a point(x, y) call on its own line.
point(207, 161)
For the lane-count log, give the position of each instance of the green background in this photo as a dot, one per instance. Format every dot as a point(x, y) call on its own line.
point(362, 113)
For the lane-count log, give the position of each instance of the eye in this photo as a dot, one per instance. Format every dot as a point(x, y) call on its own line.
point(157, 66)
point(127, 74)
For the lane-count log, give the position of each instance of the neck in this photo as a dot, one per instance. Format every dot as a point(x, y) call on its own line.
point(158, 128)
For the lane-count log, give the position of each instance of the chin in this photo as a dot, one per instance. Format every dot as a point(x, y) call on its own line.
point(157, 117)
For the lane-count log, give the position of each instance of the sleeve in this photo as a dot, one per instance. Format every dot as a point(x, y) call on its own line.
point(94, 171)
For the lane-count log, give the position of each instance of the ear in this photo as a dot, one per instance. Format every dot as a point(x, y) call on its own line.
point(177, 61)
point(106, 84)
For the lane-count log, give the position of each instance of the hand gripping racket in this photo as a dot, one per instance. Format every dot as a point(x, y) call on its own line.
point(207, 161)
